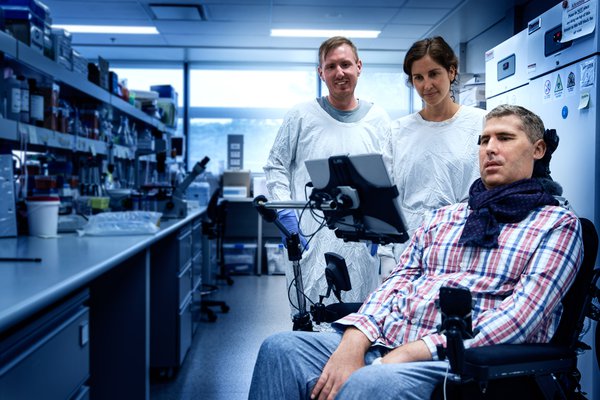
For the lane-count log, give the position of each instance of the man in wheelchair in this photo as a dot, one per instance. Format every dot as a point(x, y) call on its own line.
point(512, 245)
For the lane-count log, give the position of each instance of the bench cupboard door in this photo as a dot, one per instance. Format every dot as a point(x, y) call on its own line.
point(49, 360)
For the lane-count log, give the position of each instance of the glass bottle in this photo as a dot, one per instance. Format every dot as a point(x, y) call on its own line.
point(36, 104)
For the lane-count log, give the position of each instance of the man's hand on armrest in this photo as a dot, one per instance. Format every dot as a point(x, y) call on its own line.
point(413, 351)
point(348, 357)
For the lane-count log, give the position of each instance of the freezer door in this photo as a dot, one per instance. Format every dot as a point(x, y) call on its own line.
point(545, 49)
point(566, 100)
point(506, 65)
point(520, 96)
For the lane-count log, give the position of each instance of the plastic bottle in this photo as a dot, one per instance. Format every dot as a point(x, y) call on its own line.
point(24, 99)
point(13, 97)
point(36, 104)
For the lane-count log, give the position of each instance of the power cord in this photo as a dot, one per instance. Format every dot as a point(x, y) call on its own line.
point(446, 377)
point(293, 282)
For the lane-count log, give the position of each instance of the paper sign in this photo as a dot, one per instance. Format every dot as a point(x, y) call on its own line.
point(584, 101)
point(578, 19)
point(588, 73)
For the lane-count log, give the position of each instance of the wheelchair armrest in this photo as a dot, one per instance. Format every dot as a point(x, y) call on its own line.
point(504, 360)
point(333, 312)
point(515, 353)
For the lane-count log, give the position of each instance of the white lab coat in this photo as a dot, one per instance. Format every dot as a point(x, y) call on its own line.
point(308, 132)
point(433, 164)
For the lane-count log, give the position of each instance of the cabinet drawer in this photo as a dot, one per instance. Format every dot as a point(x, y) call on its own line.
point(185, 284)
point(185, 329)
point(197, 237)
point(197, 270)
point(184, 240)
point(48, 364)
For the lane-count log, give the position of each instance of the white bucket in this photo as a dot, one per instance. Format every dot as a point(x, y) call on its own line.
point(42, 215)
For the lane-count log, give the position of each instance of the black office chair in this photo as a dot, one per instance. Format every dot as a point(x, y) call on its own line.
point(531, 371)
point(214, 228)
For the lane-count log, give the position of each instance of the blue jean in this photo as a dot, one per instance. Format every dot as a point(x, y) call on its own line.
point(290, 363)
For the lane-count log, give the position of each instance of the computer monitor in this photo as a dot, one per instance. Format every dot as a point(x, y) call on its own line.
point(357, 198)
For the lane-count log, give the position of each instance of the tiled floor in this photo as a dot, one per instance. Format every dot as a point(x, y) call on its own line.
point(219, 364)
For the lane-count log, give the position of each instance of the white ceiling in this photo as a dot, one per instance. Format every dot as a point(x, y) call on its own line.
point(238, 30)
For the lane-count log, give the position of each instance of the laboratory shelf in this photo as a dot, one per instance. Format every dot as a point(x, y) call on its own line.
point(37, 136)
point(8, 129)
point(73, 86)
point(37, 62)
point(8, 45)
point(138, 114)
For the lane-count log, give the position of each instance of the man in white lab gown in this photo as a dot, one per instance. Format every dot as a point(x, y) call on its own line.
point(335, 124)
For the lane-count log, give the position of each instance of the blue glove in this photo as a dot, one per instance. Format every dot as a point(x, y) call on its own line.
point(373, 248)
point(290, 221)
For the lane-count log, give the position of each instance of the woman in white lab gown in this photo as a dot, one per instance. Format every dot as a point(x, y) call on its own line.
point(432, 153)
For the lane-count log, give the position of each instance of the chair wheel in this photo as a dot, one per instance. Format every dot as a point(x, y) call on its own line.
point(229, 281)
point(225, 308)
point(212, 317)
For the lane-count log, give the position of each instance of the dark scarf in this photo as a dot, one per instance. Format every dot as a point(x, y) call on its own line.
point(506, 204)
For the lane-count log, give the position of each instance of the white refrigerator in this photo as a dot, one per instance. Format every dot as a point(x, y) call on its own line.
point(562, 82)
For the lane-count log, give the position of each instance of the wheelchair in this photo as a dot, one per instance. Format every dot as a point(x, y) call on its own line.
point(533, 370)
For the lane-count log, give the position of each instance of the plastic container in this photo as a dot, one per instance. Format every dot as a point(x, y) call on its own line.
point(99, 203)
point(45, 182)
point(277, 258)
point(240, 258)
point(42, 215)
point(200, 192)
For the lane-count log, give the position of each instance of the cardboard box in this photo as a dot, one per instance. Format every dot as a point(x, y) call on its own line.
point(236, 179)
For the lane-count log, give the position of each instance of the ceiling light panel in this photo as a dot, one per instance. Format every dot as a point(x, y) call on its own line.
point(109, 29)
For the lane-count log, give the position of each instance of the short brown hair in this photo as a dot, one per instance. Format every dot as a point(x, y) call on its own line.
point(531, 123)
point(334, 43)
point(434, 47)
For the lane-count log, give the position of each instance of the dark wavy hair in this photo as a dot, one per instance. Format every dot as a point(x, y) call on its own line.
point(434, 47)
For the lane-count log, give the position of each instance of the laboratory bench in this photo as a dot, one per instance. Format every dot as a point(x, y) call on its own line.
point(97, 312)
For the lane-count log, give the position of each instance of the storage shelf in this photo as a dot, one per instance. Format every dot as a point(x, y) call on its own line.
point(8, 129)
point(75, 86)
point(8, 45)
point(41, 64)
point(37, 136)
point(124, 106)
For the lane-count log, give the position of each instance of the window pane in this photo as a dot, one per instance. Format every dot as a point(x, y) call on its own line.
point(208, 137)
point(386, 88)
point(143, 78)
point(244, 88)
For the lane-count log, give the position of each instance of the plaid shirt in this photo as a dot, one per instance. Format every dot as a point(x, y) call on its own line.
point(517, 287)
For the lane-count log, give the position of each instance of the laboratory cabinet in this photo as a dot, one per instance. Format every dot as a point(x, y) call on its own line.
point(33, 355)
point(174, 265)
point(197, 263)
point(77, 324)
